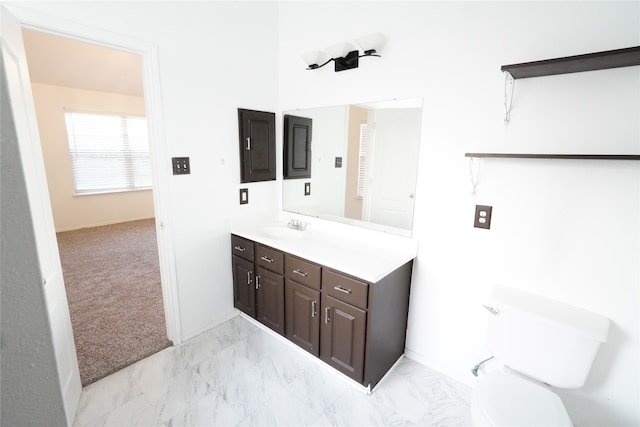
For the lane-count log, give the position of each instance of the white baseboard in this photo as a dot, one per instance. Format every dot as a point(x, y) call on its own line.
point(212, 324)
point(101, 224)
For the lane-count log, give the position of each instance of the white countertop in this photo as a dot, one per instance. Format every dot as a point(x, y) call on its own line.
point(368, 255)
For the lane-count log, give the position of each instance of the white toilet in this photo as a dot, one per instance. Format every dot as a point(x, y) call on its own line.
point(537, 342)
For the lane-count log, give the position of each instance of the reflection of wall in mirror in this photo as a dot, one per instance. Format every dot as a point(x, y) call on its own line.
point(327, 181)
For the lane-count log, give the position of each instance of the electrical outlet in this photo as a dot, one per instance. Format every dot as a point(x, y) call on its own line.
point(482, 218)
point(338, 162)
point(180, 165)
point(307, 188)
point(244, 196)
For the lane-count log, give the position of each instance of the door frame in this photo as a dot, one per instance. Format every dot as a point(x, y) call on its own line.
point(153, 107)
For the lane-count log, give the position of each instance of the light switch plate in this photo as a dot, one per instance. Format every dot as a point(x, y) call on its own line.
point(244, 196)
point(338, 162)
point(482, 218)
point(307, 188)
point(180, 165)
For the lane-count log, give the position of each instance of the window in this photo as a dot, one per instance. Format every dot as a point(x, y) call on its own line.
point(362, 160)
point(109, 152)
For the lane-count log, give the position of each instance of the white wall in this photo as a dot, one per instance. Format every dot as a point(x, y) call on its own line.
point(71, 212)
point(565, 229)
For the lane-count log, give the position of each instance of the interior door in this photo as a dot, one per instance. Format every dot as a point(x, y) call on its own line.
point(390, 199)
point(19, 88)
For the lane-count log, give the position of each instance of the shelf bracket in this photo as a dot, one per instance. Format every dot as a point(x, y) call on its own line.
point(509, 88)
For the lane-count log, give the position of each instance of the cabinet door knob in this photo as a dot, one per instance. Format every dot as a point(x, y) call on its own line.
point(327, 310)
point(313, 308)
point(248, 139)
point(249, 281)
point(257, 282)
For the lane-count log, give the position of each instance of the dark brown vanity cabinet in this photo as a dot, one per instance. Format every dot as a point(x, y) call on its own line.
point(344, 324)
point(244, 295)
point(302, 301)
point(258, 284)
point(270, 288)
point(257, 130)
point(297, 147)
point(355, 326)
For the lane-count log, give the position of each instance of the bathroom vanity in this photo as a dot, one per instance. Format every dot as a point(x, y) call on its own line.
point(342, 298)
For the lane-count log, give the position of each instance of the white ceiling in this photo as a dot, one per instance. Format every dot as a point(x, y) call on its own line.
point(65, 62)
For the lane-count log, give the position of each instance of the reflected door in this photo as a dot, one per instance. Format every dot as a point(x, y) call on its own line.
point(392, 172)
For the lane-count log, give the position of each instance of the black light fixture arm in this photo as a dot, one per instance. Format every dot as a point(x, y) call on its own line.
point(316, 66)
point(347, 62)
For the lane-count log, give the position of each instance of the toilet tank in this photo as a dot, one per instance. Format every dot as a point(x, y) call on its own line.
point(544, 339)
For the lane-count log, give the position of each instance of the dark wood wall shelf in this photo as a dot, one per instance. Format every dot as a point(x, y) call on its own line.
point(574, 64)
point(556, 156)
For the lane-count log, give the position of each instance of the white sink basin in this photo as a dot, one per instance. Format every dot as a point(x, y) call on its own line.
point(280, 232)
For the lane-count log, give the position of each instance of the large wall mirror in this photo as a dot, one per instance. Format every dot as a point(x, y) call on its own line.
point(364, 163)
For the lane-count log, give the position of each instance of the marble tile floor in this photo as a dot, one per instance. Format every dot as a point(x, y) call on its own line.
point(239, 374)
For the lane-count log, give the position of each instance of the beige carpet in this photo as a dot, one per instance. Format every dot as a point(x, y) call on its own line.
point(112, 278)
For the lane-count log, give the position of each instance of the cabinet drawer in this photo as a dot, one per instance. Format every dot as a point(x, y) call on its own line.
point(269, 258)
point(302, 271)
point(242, 247)
point(345, 288)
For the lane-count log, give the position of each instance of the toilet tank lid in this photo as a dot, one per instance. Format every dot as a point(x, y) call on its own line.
point(582, 322)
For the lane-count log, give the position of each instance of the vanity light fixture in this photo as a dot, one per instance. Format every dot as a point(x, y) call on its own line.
point(345, 56)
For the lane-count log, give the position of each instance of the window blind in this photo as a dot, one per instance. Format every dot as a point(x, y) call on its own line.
point(109, 152)
point(362, 160)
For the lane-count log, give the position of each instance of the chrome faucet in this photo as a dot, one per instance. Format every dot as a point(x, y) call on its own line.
point(297, 224)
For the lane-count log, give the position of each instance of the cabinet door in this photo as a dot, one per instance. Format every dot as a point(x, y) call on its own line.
point(302, 317)
point(270, 299)
point(297, 147)
point(244, 293)
point(257, 131)
point(343, 333)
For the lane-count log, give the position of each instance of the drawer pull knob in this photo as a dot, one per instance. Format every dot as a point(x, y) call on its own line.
point(239, 248)
point(341, 289)
point(269, 260)
point(313, 309)
point(301, 273)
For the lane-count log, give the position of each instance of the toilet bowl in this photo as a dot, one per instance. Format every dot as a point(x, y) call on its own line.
point(538, 343)
point(504, 399)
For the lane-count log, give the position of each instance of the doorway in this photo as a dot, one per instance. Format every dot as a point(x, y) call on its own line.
point(70, 74)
